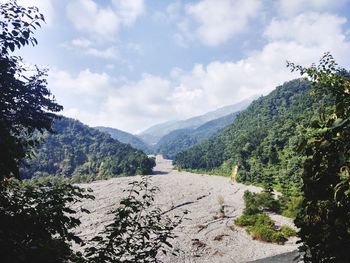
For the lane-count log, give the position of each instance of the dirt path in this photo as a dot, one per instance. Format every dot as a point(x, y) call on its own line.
point(201, 237)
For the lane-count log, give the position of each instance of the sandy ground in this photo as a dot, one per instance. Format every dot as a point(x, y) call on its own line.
point(201, 237)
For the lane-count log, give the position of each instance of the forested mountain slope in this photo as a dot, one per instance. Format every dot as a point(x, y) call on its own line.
point(153, 134)
point(182, 139)
point(262, 139)
point(126, 137)
point(76, 149)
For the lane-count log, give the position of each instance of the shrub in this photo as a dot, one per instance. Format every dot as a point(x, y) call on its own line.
point(266, 233)
point(252, 220)
point(292, 206)
point(288, 231)
point(259, 202)
point(245, 220)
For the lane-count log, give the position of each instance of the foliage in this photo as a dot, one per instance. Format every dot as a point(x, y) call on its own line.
point(37, 221)
point(324, 219)
point(86, 154)
point(260, 202)
point(26, 105)
point(267, 234)
point(288, 231)
point(17, 26)
point(139, 231)
point(254, 219)
point(290, 205)
point(182, 139)
point(261, 140)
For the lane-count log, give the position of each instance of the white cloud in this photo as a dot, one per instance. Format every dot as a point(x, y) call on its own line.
point(86, 47)
point(218, 21)
point(293, 7)
point(318, 33)
point(103, 21)
point(308, 29)
point(81, 43)
point(99, 99)
point(129, 10)
point(96, 99)
point(107, 53)
point(87, 16)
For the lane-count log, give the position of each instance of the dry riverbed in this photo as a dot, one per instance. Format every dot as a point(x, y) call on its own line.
point(202, 236)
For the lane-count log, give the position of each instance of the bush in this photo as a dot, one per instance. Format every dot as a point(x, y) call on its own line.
point(292, 206)
point(260, 202)
point(266, 233)
point(252, 220)
point(288, 231)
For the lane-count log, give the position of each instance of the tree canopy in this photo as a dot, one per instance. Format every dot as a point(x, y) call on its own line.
point(324, 220)
point(26, 105)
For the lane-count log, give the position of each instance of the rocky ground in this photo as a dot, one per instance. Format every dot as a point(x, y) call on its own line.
point(204, 236)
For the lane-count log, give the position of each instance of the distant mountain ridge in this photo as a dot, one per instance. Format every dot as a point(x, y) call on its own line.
point(153, 134)
point(126, 137)
point(182, 139)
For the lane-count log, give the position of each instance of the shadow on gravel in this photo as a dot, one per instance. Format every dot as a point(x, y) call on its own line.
point(283, 258)
point(159, 173)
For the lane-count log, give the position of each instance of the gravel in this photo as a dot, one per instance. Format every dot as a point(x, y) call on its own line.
point(204, 236)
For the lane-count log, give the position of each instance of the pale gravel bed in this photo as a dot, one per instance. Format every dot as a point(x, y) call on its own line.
point(180, 187)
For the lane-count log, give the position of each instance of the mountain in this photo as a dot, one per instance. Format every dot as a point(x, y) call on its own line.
point(78, 150)
point(153, 134)
point(262, 139)
point(182, 139)
point(126, 137)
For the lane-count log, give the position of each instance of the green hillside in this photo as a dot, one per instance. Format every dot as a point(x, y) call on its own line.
point(126, 137)
point(182, 139)
point(78, 150)
point(262, 139)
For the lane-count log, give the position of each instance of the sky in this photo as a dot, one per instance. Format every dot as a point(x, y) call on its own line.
point(130, 64)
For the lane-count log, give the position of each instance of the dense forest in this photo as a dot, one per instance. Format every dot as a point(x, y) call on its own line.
point(182, 139)
point(127, 138)
point(262, 140)
point(75, 149)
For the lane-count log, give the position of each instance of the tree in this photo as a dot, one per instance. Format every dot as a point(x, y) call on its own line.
point(26, 105)
point(324, 219)
point(37, 222)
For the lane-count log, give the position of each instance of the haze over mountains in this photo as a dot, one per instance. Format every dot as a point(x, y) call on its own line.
point(179, 140)
point(153, 134)
point(171, 137)
point(126, 137)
